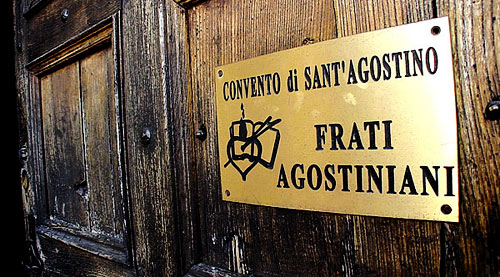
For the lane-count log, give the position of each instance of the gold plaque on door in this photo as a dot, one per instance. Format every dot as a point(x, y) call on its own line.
point(362, 125)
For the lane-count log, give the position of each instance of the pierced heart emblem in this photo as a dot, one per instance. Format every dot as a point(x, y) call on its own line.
point(252, 143)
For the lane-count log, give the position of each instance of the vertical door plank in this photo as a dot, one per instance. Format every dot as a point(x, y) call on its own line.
point(472, 247)
point(150, 177)
point(388, 246)
point(354, 17)
point(99, 119)
point(275, 241)
point(181, 131)
point(62, 130)
point(246, 238)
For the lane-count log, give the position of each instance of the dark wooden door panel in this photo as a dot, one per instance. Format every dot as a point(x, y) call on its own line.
point(47, 28)
point(62, 259)
point(123, 57)
point(263, 240)
point(247, 238)
point(63, 141)
point(153, 77)
point(101, 146)
point(79, 127)
point(80, 144)
point(77, 192)
point(116, 184)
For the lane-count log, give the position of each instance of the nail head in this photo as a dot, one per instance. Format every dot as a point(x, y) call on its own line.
point(64, 15)
point(435, 30)
point(446, 209)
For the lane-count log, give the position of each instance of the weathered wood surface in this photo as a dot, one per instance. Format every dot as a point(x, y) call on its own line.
point(64, 260)
point(151, 179)
point(68, 122)
point(271, 241)
point(28, 121)
point(46, 29)
point(203, 270)
point(81, 156)
point(167, 57)
point(80, 142)
point(187, 3)
point(70, 50)
point(63, 144)
point(472, 247)
point(181, 129)
point(12, 195)
point(101, 149)
point(277, 241)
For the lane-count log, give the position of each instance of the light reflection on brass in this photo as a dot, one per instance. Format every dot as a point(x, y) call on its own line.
point(362, 125)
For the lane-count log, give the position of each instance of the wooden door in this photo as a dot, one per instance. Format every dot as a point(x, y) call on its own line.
point(75, 198)
point(120, 169)
point(280, 242)
point(96, 176)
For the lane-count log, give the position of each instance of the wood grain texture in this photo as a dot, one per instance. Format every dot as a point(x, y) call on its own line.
point(101, 150)
point(25, 125)
point(472, 247)
point(30, 7)
point(167, 76)
point(203, 270)
point(30, 128)
point(181, 131)
point(46, 30)
point(79, 119)
point(62, 259)
point(354, 17)
point(63, 144)
point(150, 177)
point(272, 241)
point(56, 89)
point(72, 49)
point(81, 149)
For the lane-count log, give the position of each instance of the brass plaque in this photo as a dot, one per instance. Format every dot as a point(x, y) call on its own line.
point(362, 125)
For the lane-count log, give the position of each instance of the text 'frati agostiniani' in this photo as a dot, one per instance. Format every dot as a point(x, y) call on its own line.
point(333, 136)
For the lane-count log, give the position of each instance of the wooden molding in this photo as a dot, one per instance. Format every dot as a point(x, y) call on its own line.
point(95, 37)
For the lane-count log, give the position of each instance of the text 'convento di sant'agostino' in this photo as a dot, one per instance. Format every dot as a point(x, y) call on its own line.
point(360, 125)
